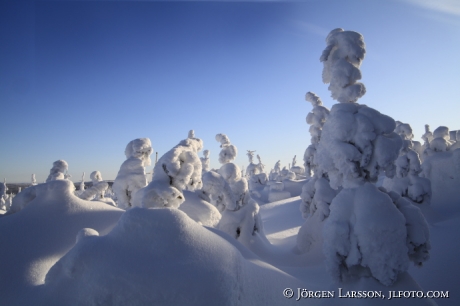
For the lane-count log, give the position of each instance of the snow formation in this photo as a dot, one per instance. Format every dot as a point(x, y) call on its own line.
point(341, 61)
point(177, 170)
point(58, 170)
point(131, 176)
point(228, 152)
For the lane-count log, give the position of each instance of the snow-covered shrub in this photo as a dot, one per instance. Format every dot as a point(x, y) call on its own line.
point(58, 170)
point(131, 176)
point(228, 152)
point(178, 169)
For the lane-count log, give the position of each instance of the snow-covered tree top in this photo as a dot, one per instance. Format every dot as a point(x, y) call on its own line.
point(206, 153)
point(313, 99)
point(404, 130)
point(177, 170)
point(441, 132)
point(140, 148)
point(3, 189)
point(342, 58)
point(428, 136)
point(95, 176)
point(223, 139)
point(228, 152)
point(57, 171)
point(250, 155)
point(191, 134)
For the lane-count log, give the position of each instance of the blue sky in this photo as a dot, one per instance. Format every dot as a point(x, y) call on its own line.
point(80, 79)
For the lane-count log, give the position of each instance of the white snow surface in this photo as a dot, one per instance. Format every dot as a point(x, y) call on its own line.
point(40, 234)
point(162, 257)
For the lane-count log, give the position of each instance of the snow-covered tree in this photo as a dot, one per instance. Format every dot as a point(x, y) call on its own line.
point(441, 141)
point(205, 161)
point(131, 176)
point(252, 167)
point(315, 119)
point(177, 170)
point(217, 191)
point(228, 152)
point(298, 170)
point(58, 171)
point(365, 232)
point(33, 181)
point(97, 191)
point(82, 183)
point(404, 130)
point(407, 182)
point(229, 192)
point(3, 189)
point(275, 172)
point(286, 174)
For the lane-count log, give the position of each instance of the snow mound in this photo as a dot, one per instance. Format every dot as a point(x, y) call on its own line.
point(161, 257)
point(41, 233)
point(200, 210)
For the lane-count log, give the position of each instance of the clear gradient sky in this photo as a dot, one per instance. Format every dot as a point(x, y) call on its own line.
point(80, 79)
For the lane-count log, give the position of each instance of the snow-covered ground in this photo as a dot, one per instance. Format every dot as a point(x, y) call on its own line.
point(61, 250)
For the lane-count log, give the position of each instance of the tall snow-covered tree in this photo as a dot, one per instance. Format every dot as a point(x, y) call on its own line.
point(365, 233)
